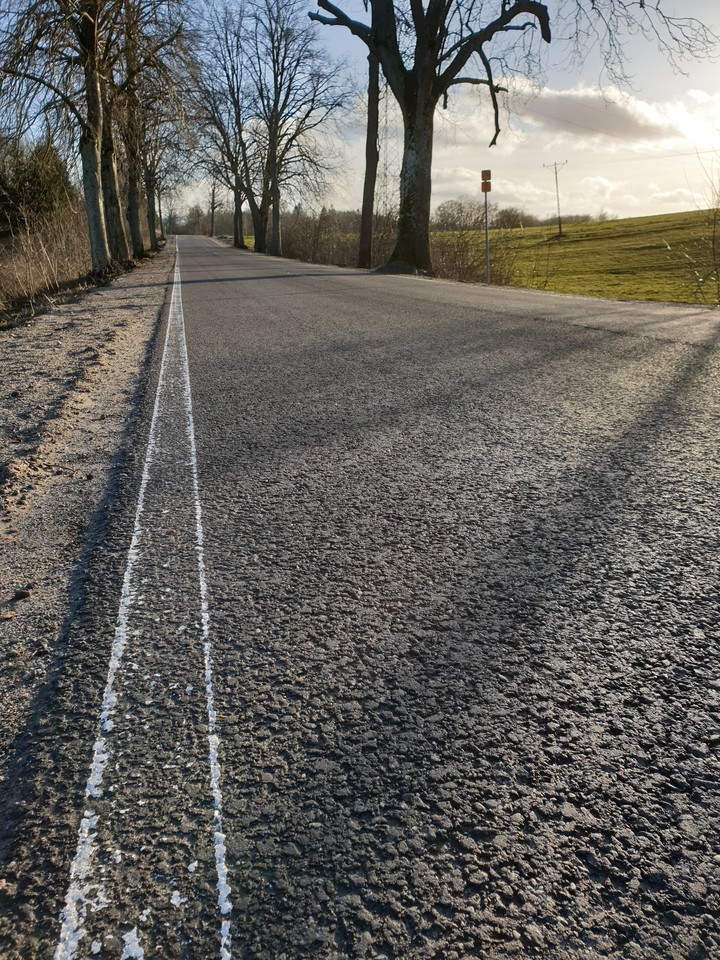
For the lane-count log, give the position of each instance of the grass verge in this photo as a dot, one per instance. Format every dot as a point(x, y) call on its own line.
point(663, 258)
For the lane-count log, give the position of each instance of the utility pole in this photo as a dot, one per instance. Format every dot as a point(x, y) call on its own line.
point(557, 166)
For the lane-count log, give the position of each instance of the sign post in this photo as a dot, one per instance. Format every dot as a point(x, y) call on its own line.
point(485, 186)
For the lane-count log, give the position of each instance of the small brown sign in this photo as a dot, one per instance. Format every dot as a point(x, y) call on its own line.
point(485, 175)
point(485, 185)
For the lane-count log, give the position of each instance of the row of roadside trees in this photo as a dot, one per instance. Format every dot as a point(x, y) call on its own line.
point(146, 92)
point(97, 74)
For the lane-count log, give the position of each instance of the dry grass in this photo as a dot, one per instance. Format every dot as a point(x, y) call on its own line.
point(40, 259)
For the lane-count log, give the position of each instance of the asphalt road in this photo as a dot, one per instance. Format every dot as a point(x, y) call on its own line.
point(401, 639)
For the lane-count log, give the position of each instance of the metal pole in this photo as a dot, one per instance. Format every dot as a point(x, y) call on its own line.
point(487, 243)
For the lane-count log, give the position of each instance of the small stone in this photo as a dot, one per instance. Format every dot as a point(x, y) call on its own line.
point(534, 934)
point(21, 594)
point(8, 889)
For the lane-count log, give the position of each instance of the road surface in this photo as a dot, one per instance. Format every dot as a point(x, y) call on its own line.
point(401, 640)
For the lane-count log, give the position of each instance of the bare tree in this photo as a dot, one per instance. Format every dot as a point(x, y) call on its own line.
point(263, 90)
point(426, 48)
point(219, 92)
point(52, 50)
point(296, 89)
point(75, 56)
point(146, 88)
point(372, 158)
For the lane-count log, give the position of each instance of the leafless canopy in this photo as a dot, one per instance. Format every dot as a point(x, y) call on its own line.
point(426, 47)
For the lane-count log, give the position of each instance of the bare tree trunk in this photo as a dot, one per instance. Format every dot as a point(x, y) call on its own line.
point(264, 217)
point(135, 196)
point(259, 213)
point(413, 239)
point(372, 157)
point(151, 217)
point(238, 231)
point(160, 215)
point(91, 147)
point(132, 132)
point(213, 193)
point(275, 236)
point(114, 221)
point(92, 192)
point(255, 214)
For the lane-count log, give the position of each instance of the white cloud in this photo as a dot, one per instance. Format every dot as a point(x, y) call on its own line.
point(600, 188)
point(589, 115)
point(682, 196)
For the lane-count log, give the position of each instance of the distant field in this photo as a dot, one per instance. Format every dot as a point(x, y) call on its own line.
point(643, 258)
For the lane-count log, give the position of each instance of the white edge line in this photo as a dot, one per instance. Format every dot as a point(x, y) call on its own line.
point(73, 914)
point(223, 886)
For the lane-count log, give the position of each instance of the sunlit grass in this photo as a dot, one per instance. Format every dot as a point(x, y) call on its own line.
point(643, 258)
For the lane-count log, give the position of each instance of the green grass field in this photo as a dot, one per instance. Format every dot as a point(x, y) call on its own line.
point(643, 258)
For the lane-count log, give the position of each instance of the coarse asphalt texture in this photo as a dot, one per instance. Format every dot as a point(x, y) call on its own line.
point(431, 572)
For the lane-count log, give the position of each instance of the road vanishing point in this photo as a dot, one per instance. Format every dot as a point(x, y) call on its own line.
point(403, 642)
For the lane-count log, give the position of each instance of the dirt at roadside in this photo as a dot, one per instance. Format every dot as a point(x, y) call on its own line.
point(69, 381)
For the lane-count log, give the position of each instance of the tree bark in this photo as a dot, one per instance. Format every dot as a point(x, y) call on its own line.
point(372, 157)
point(114, 221)
point(91, 145)
point(275, 236)
point(132, 133)
point(260, 214)
point(213, 207)
point(151, 216)
point(135, 197)
point(238, 230)
point(92, 193)
point(160, 215)
point(413, 240)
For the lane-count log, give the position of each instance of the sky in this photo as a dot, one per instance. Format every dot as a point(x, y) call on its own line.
point(649, 147)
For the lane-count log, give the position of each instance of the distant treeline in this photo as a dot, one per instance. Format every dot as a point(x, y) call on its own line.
point(452, 215)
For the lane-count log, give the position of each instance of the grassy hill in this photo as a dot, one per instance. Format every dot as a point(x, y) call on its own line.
point(643, 258)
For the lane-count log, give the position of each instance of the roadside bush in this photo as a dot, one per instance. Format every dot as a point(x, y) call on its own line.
point(317, 238)
point(508, 218)
point(460, 255)
point(42, 255)
point(34, 183)
point(463, 214)
point(331, 236)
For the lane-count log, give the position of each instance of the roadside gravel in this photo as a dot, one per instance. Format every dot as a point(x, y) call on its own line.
point(70, 381)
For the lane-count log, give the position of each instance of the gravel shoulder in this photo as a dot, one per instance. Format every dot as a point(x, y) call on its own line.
point(71, 381)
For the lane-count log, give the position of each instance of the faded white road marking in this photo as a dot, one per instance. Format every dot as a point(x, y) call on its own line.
point(78, 896)
point(133, 950)
point(223, 887)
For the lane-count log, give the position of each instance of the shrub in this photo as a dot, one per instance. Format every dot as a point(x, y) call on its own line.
point(460, 255)
point(34, 184)
point(42, 255)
